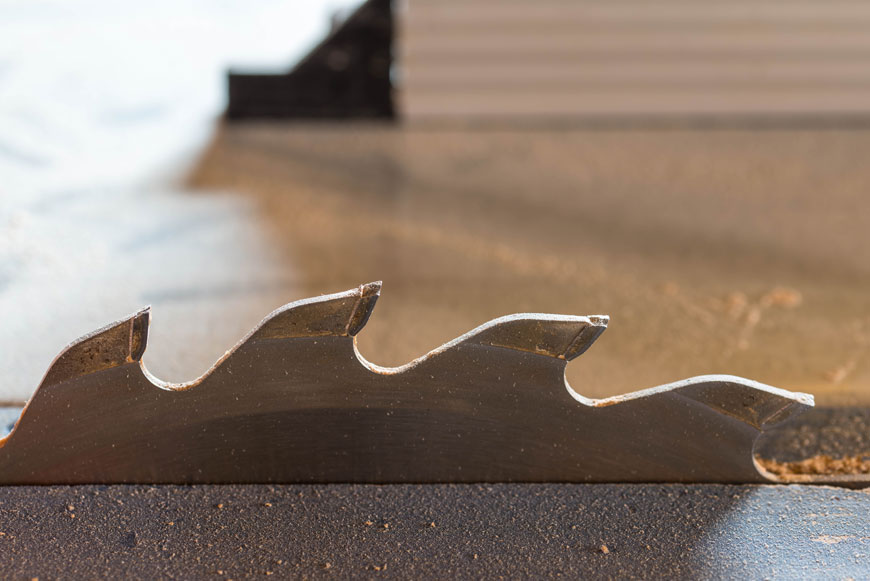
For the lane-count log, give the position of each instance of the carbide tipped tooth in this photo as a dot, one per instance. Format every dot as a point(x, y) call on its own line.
point(114, 345)
point(587, 336)
point(754, 403)
point(338, 315)
point(559, 336)
point(368, 296)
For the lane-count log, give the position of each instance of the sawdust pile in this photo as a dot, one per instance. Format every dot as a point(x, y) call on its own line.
point(821, 464)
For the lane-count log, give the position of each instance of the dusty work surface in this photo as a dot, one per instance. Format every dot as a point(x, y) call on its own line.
point(435, 531)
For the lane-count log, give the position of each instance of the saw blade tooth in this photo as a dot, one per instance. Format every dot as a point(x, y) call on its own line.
point(587, 336)
point(339, 315)
point(116, 344)
point(559, 336)
point(368, 296)
point(751, 402)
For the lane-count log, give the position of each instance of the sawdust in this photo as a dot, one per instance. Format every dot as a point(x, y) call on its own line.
point(782, 297)
point(818, 465)
point(831, 539)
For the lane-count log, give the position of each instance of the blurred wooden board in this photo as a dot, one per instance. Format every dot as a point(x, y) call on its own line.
point(492, 59)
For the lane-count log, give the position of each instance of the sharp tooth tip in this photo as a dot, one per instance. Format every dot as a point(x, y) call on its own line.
point(369, 294)
point(371, 288)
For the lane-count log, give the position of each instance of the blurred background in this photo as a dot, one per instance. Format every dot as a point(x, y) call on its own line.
point(696, 170)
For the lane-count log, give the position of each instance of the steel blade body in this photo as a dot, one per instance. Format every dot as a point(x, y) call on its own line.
point(296, 402)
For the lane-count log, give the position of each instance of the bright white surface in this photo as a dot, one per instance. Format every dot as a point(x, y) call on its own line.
point(102, 106)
